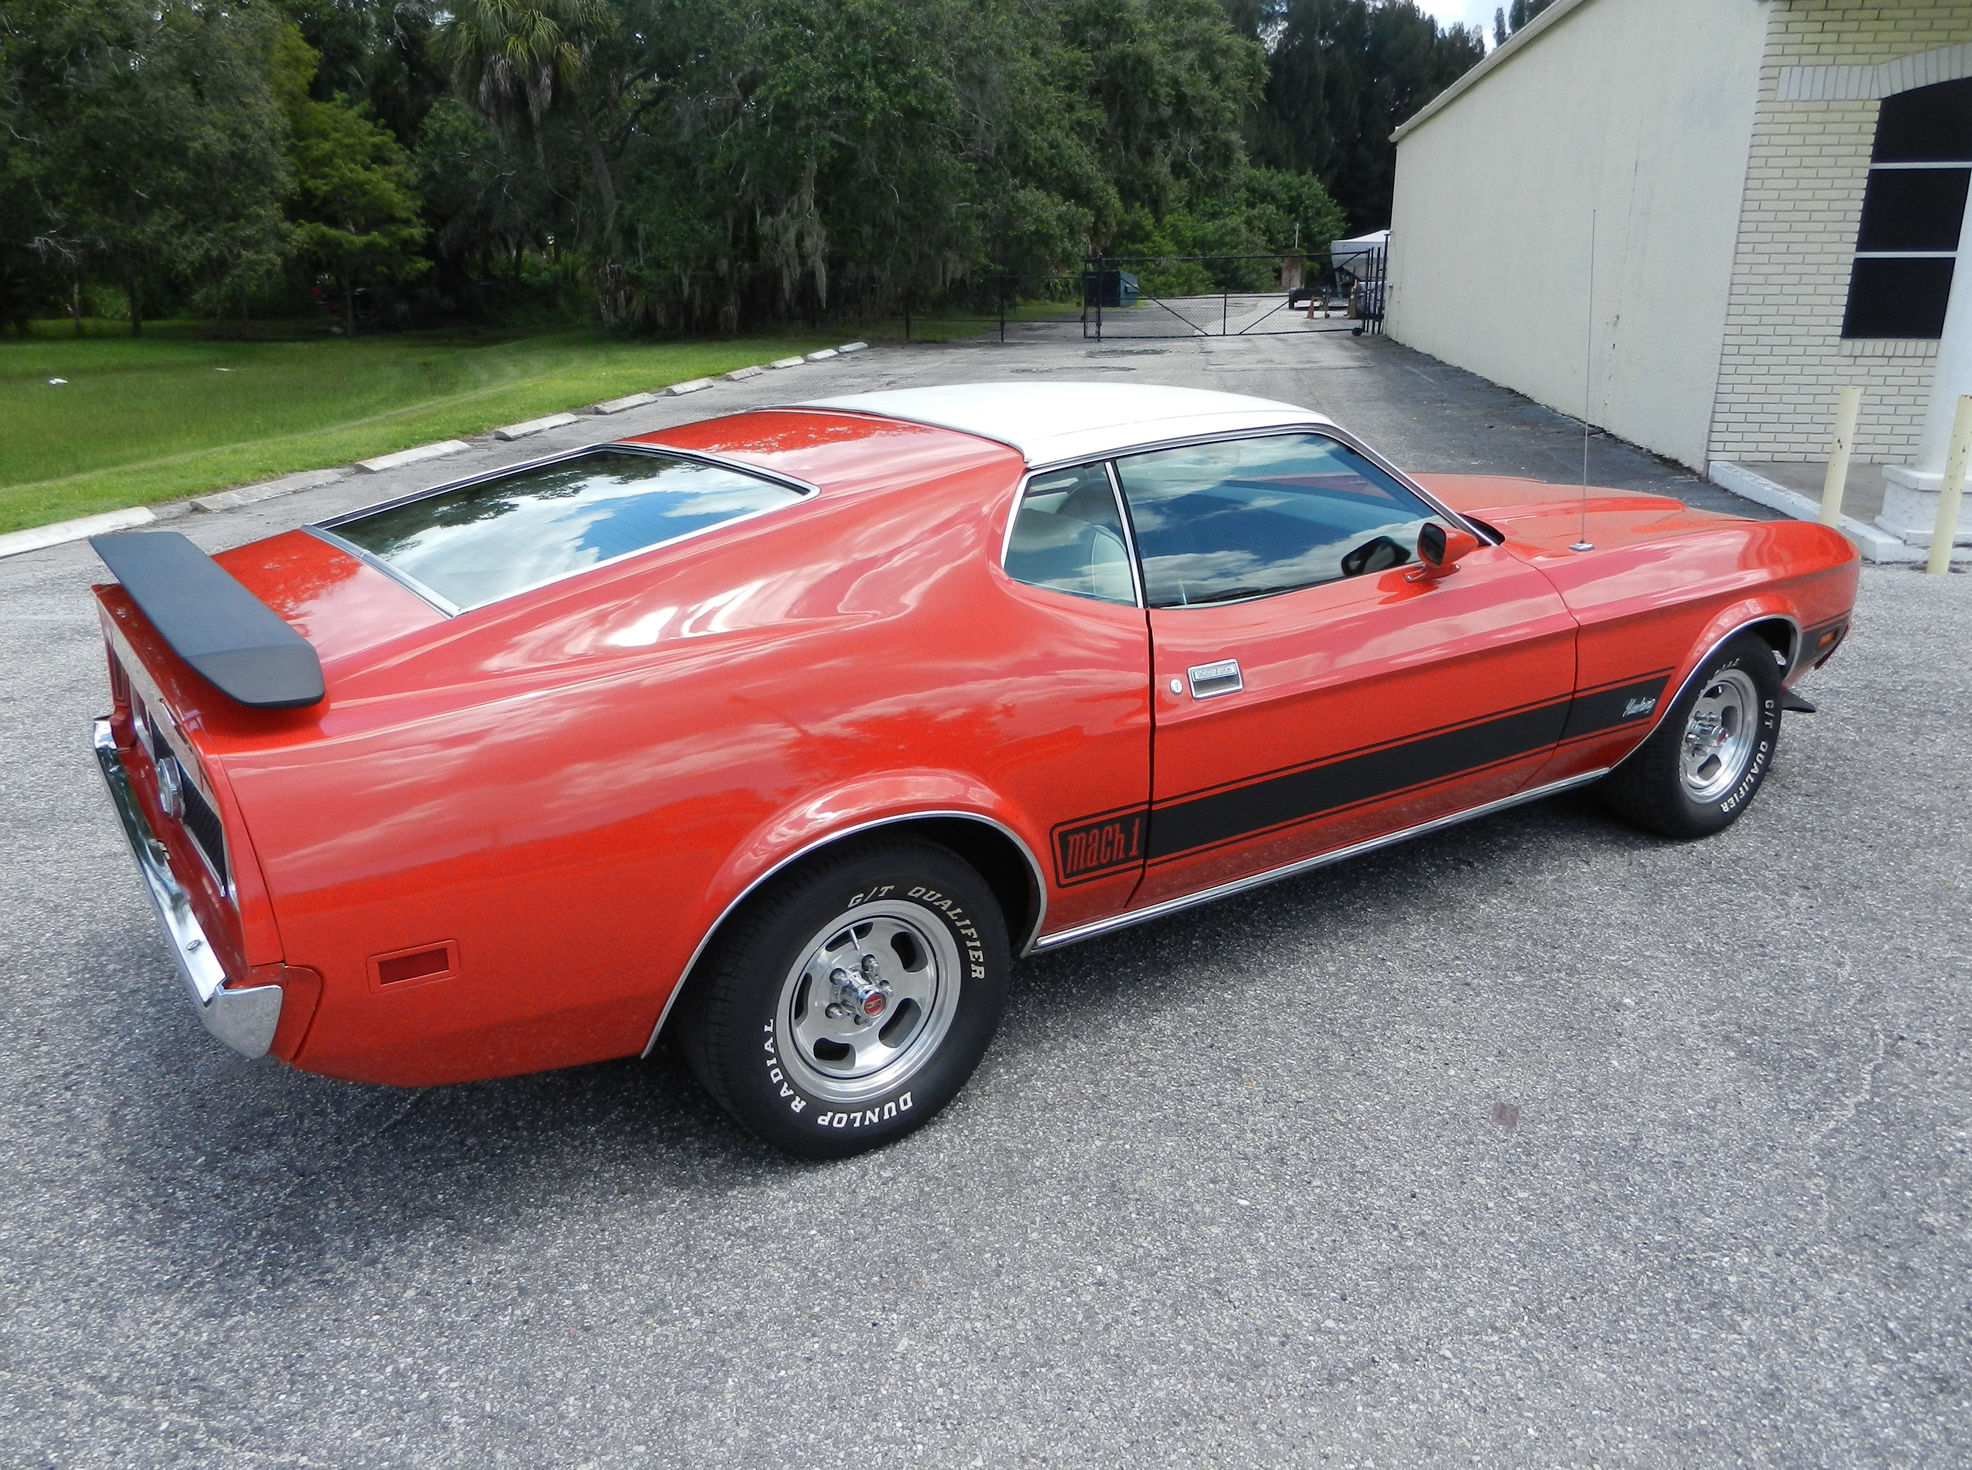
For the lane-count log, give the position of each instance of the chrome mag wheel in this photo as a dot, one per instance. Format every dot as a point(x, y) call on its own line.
point(868, 1003)
point(1719, 735)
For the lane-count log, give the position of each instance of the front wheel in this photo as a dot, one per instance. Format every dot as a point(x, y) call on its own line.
point(1702, 765)
point(850, 1001)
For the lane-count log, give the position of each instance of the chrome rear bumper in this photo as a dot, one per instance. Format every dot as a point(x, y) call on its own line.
point(243, 1019)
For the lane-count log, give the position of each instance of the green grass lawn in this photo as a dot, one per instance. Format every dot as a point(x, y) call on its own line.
point(174, 414)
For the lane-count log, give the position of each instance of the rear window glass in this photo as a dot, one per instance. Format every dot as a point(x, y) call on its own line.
point(489, 540)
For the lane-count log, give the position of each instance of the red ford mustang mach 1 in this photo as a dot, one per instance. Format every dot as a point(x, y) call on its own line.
point(791, 729)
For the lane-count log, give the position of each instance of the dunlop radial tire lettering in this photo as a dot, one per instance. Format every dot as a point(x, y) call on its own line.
point(850, 999)
point(1651, 788)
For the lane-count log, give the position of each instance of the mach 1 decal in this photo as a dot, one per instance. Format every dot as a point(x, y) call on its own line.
point(1089, 848)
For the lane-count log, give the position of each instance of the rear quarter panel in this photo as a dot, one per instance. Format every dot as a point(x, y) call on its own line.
point(571, 786)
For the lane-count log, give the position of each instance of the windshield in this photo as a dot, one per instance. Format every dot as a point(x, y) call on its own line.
point(491, 539)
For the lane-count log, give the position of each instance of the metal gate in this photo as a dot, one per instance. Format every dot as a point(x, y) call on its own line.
point(1161, 297)
point(1151, 298)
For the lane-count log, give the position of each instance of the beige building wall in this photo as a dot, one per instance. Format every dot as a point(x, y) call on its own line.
point(1826, 64)
point(1639, 112)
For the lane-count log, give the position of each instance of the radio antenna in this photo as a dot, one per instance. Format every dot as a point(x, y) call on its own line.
point(1582, 542)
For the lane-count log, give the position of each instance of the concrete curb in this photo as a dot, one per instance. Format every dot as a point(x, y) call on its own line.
point(690, 385)
point(620, 405)
point(824, 355)
point(740, 375)
point(266, 489)
point(533, 426)
point(1875, 544)
point(36, 537)
point(787, 362)
point(411, 456)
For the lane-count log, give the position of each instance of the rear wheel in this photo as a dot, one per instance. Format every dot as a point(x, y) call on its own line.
point(849, 1001)
point(1703, 764)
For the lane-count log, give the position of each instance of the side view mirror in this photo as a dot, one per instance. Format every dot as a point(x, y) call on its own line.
point(1439, 549)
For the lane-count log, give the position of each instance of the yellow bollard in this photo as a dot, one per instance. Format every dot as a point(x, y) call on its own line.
point(1847, 409)
point(1951, 488)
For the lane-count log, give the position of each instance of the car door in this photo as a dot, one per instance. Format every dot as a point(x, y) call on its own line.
point(1309, 690)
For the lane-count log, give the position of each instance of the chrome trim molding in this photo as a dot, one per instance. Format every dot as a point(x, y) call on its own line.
point(1020, 946)
point(1129, 529)
point(158, 723)
point(1122, 515)
point(541, 461)
point(411, 585)
point(1314, 424)
point(244, 1019)
point(1066, 422)
point(1457, 518)
point(1664, 705)
point(1303, 865)
point(1322, 427)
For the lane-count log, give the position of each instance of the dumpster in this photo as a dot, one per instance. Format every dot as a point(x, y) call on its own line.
point(1109, 288)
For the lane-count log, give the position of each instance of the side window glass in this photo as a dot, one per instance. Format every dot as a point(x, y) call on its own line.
point(1067, 536)
point(1247, 517)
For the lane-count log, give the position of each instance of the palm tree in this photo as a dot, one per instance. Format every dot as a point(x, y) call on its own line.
point(515, 60)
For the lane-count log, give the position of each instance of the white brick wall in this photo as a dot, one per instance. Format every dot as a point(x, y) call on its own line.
point(1783, 358)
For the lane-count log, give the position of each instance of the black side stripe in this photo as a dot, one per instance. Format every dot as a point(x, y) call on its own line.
point(1605, 709)
point(1212, 819)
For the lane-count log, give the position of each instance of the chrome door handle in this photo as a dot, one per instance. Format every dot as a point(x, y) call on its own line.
point(1215, 678)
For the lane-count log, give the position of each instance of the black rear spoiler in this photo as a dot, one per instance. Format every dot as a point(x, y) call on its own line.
point(236, 642)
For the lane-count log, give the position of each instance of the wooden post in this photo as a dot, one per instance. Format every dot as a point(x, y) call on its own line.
point(1847, 408)
point(1951, 488)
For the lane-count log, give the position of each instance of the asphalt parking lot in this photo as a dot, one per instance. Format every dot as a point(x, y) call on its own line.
point(1534, 1142)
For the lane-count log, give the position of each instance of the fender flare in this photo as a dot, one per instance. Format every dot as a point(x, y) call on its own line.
point(819, 822)
point(1721, 630)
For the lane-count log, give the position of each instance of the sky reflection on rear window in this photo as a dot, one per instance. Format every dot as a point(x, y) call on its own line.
point(483, 542)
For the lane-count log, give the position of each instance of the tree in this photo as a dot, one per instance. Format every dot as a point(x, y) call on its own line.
point(1241, 235)
point(377, 53)
point(518, 60)
point(40, 258)
point(355, 207)
point(481, 198)
point(1506, 22)
point(1342, 76)
point(1289, 211)
point(1523, 11)
point(144, 144)
point(1172, 86)
point(785, 156)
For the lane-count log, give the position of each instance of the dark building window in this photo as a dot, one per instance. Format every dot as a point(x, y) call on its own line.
point(1912, 211)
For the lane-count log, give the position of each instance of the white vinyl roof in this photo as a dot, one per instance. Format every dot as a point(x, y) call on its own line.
point(1050, 423)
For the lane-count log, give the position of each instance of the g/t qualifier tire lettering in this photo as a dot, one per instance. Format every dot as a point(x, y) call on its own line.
point(850, 999)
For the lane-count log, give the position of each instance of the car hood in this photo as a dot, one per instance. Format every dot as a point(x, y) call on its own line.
point(1545, 518)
